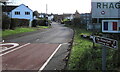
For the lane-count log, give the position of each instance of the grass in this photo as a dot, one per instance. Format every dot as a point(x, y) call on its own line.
point(20, 30)
point(80, 47)
point(85, 57)
point(43, 27)
point(17, 31)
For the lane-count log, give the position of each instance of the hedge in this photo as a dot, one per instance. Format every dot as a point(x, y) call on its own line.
point(5, 22)
point(19, 23)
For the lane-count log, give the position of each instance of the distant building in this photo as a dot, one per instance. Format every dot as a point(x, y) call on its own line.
point(63, 16)
point(50, 17)
point(86, 19)
point(68, 16)
point(36, 14)
point(58, 18)
point(19, 12)
point(42, 15)
point(77, 14)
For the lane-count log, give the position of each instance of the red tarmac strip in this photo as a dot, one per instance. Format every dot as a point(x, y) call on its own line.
point(30, 57)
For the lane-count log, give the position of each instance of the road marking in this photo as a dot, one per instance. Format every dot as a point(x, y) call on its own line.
point(14, 49)
point(37, 39)
point(65, 43)
point(2, 41)
point(14, 45)
point(49, 58)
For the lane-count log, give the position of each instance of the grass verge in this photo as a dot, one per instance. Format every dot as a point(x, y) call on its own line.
point(42, 27)
point(20, 30)
point(85, 57)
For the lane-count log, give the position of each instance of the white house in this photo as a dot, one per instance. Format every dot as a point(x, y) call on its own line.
point(42, 15)
point(20, 12)
point(70, 17)
point(50, 17)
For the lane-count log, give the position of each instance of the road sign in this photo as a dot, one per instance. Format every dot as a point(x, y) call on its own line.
point(111, 26)
point(106, 42)
point(105, 8)
point(3, 0)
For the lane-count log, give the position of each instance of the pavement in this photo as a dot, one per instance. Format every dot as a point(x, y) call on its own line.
point(39, 50)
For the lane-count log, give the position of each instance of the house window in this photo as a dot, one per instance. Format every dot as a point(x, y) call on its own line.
point(17, 13)
point(27, 13)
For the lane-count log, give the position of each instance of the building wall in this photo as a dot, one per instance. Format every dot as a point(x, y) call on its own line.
point(50, 17)
point(22, 9)
point(69, 17)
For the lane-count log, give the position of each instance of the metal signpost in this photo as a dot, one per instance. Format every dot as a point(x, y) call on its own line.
point(106, 42)
point(107, 9)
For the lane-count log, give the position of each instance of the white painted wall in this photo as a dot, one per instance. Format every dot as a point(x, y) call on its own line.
point(50, 17)
point(70, 17)
point(42, 16)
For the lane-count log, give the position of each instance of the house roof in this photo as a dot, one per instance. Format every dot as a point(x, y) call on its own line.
point(67, 15)
point(77, 12)
point(8, 8)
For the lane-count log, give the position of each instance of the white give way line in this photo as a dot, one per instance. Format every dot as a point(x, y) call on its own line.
point(15, 44)
point(4, 48)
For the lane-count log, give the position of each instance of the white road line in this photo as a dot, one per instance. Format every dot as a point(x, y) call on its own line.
point(14, 49)
point(14, 45)
point(37, 39)
point(49, 58)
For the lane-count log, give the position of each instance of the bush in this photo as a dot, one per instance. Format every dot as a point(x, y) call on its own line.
point(76, 21)
point(19, 23)
point(34, 23)
point(66, 21)
point(42, 22)
point(5, 22)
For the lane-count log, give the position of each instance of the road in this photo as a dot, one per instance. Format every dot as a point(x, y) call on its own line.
point(38, 51)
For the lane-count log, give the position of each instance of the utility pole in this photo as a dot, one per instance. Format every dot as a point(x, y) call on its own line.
point(46, 8)
point(46, 16)
point(1, 2)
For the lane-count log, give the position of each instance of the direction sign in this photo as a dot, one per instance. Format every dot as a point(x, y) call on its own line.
point(3, 0)
point(106, 42)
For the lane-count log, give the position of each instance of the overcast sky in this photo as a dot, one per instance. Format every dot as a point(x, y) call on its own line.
point(57, 6)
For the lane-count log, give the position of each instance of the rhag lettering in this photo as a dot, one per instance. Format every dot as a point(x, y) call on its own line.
point(108, 5)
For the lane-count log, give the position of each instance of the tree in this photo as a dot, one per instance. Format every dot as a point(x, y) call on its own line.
point(5, 21)
point(36, 13)
point(76, 21)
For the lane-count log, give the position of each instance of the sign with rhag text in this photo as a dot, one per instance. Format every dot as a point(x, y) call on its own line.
point(105, 9)
point(4, 0)
point(106, 42)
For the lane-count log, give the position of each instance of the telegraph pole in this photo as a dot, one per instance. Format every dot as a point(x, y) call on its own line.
point(46, 8)
point(46, 17)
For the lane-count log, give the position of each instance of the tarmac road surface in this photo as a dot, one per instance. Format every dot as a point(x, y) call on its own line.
point(38, 51)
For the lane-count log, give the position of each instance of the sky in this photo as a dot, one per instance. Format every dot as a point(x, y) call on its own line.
point(56, 6)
